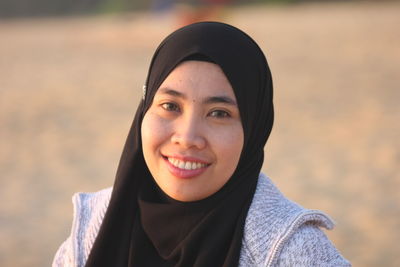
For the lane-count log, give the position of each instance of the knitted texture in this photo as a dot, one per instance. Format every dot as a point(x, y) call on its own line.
point(274, 230)
point(277, 232)
point(308, 246)
point(89, 210)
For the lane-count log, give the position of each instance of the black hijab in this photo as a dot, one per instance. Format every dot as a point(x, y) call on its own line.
point(143, 227)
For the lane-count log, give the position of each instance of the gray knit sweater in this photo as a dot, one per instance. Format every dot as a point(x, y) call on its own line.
point(277, 232)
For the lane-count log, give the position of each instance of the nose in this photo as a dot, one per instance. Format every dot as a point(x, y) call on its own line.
point(189, 133)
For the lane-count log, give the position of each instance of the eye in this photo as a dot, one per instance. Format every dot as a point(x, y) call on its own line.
point(169, 106)
point(219, 114)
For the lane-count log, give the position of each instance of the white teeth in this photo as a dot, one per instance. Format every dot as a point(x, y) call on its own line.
point(181, 164)
point(187, 165)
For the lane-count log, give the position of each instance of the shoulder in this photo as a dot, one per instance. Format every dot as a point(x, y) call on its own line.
point(272, 221)
point(89, 210)
point(88, 206)
point(309, 246)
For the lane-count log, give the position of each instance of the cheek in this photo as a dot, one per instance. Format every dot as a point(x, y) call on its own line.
point(154, 132)
point(229, 144)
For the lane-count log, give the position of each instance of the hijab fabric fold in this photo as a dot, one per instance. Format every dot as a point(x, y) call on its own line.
point(142, 225)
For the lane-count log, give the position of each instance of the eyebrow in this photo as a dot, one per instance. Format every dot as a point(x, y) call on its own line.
point(220, 99)
point(208, 100)
point(171, 92)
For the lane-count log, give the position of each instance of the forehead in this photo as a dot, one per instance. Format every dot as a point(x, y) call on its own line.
point(198, 79)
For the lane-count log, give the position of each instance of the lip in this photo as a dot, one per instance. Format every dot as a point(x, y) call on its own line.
point(183, 173)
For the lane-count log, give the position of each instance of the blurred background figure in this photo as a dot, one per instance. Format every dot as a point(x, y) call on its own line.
point(162, 5)
point(191, 11)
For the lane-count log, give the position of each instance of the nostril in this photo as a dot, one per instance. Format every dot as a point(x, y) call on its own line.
point(188, 141)
point(175, 139)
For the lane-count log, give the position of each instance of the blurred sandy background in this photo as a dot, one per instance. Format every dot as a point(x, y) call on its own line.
point(69, 89)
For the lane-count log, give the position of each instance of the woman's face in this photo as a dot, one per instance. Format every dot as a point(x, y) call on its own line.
point(192, 134)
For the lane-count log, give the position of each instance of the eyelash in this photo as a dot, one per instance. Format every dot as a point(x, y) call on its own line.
point(225, 114)
point(167, 106)
point(220, 114)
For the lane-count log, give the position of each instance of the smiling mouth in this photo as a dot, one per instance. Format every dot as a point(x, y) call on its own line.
point(186, 165)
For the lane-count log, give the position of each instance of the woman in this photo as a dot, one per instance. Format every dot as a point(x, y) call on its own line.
point(188, 190)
